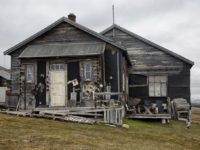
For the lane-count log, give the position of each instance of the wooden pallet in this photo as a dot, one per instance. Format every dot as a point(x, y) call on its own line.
point(88, 116)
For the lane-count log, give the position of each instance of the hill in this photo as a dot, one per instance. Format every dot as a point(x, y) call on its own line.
point(39, 134)
point(197, 101)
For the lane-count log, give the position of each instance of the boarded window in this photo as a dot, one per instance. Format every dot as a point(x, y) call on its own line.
point(87, 70)
point(29, 73)
point(157, 86)
point(135, 79)
point(56, 67)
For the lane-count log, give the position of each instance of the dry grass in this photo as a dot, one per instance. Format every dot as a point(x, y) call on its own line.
point(18, 133)
point(196, 113)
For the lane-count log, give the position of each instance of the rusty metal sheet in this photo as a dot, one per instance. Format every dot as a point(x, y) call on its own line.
point(62, 50)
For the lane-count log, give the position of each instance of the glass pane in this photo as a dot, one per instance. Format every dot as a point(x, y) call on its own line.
point(87, 66)
point(88, 75)
point(157, 78)
point(164, 89)
point(163, 79)
point(52, 67)
point(61, 66)
point(151, 78)
point(157, 89)
point(151, 89)
point(29, 77)
point(57, 66)
point(29, 73)
point(30, 69)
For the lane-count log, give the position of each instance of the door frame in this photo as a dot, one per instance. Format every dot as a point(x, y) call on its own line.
point(66, 80)
point(64, 86)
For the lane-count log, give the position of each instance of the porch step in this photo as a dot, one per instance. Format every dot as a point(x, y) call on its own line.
point(148, 116)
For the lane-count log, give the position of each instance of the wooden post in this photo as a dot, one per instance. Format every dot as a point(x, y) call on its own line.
point(95, 104)
point(163, 121)
point(24, 95)
point(169, 105)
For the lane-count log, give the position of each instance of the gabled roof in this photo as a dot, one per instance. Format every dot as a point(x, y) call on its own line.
point(148, 42)
point(64, 19)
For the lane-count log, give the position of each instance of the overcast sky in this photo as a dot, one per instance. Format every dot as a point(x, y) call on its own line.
point(174, 24)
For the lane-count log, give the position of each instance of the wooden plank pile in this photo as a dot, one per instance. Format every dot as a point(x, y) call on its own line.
point(84, 115)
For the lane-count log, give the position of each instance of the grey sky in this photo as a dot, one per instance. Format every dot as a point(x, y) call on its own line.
point(172, 24)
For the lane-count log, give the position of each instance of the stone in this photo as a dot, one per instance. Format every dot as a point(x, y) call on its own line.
point(125, 126)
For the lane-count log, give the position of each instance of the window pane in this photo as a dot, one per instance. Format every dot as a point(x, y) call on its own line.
point(57, 66)
point(61, 66)
point(88, 70)
point(29, 76)
point(151, 78)
point(87, 75)
point(151, 89)
point(157, 78)
point(87, 66)
point(157, 89)
point(30, 69)
point(164, 89)
point(52, 67)
point(163, 79)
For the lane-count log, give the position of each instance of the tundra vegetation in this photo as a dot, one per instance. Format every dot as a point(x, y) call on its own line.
point(41, 134)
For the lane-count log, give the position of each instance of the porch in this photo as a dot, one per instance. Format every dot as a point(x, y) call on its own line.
point(149, 111)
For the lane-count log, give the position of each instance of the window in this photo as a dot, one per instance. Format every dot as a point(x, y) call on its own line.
point(87, 70)
point(29, 73)
point(56, 67)
point(157, 86)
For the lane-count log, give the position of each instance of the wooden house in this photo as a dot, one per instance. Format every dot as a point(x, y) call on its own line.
point(156, 77)
point(63, 66)
point(68, 65)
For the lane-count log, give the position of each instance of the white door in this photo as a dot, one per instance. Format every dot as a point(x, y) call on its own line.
point(57, 88)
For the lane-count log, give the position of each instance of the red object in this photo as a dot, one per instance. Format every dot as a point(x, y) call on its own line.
point(7, 92)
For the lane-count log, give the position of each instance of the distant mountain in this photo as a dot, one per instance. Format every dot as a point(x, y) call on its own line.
point(196, 101)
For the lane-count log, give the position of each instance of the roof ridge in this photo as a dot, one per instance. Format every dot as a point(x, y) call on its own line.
point(75, 24)
point(148, 42)
point(44, 30)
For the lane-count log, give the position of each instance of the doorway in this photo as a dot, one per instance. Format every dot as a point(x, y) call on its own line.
point(58, 88)
point(41, 84)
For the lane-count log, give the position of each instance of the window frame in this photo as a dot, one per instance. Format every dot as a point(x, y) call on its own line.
point(85, 71)
point(55, 67)
point(160, 84)
point(27, 73)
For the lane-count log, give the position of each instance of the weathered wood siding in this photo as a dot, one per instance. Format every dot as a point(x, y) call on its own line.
point(59, 34)
point(147, 60)
point(15, 73)
point(65, 33)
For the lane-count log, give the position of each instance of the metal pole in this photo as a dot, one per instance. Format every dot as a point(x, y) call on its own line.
point(113, 11)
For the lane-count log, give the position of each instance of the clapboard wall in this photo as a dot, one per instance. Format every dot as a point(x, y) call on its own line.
point(148, 60)
point(62, 33)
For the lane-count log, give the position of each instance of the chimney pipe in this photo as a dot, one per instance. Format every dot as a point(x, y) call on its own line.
point(72, 17)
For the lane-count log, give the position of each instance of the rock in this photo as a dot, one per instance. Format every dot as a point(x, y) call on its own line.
point(125, 126)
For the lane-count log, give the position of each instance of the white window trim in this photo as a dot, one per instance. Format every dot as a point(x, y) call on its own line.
point(160, 85)
point(29, 81)
point(88, 62)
